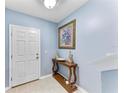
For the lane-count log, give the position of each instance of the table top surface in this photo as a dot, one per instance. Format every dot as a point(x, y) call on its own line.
point(65, 62)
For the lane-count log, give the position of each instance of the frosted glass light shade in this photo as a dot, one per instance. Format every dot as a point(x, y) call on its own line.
point(50, 3)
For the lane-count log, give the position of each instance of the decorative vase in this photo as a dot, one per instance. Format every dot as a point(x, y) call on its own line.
point(70, 57)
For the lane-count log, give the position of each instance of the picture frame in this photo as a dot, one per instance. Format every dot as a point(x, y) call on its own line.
point(67, 35)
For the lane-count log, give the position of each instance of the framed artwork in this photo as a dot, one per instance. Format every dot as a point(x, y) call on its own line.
point(66, 35)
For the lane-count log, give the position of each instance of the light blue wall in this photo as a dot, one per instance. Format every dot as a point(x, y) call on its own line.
point(48, 39)
point(110, 81)
point(96, 35)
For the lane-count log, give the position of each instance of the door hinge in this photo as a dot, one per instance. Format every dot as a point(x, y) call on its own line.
point(11, 56)
point(11, 78)
point(11, 34)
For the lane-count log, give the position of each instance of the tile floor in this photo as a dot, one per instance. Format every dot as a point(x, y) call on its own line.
point(47, 85)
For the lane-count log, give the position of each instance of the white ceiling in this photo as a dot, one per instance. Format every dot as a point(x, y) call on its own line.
point(37, 9)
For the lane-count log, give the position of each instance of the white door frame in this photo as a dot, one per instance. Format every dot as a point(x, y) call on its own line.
point(10, 52)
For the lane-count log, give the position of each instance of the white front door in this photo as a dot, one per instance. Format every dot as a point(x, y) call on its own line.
point(25, 47)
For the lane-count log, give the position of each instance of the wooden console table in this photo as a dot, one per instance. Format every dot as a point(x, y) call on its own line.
point(72, 71)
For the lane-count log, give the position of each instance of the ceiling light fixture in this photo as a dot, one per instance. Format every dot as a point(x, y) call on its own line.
point(49, 3)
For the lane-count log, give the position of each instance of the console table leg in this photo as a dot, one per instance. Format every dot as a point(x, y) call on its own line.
point(70, 75)
point(55, 68)
point(74, 73)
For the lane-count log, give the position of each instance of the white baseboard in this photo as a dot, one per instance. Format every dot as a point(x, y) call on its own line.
point(7, 88)
point(81, 89)
point(46, 76)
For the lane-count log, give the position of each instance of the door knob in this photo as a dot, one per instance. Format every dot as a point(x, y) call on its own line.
point(37, 57)
point(37, 54)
